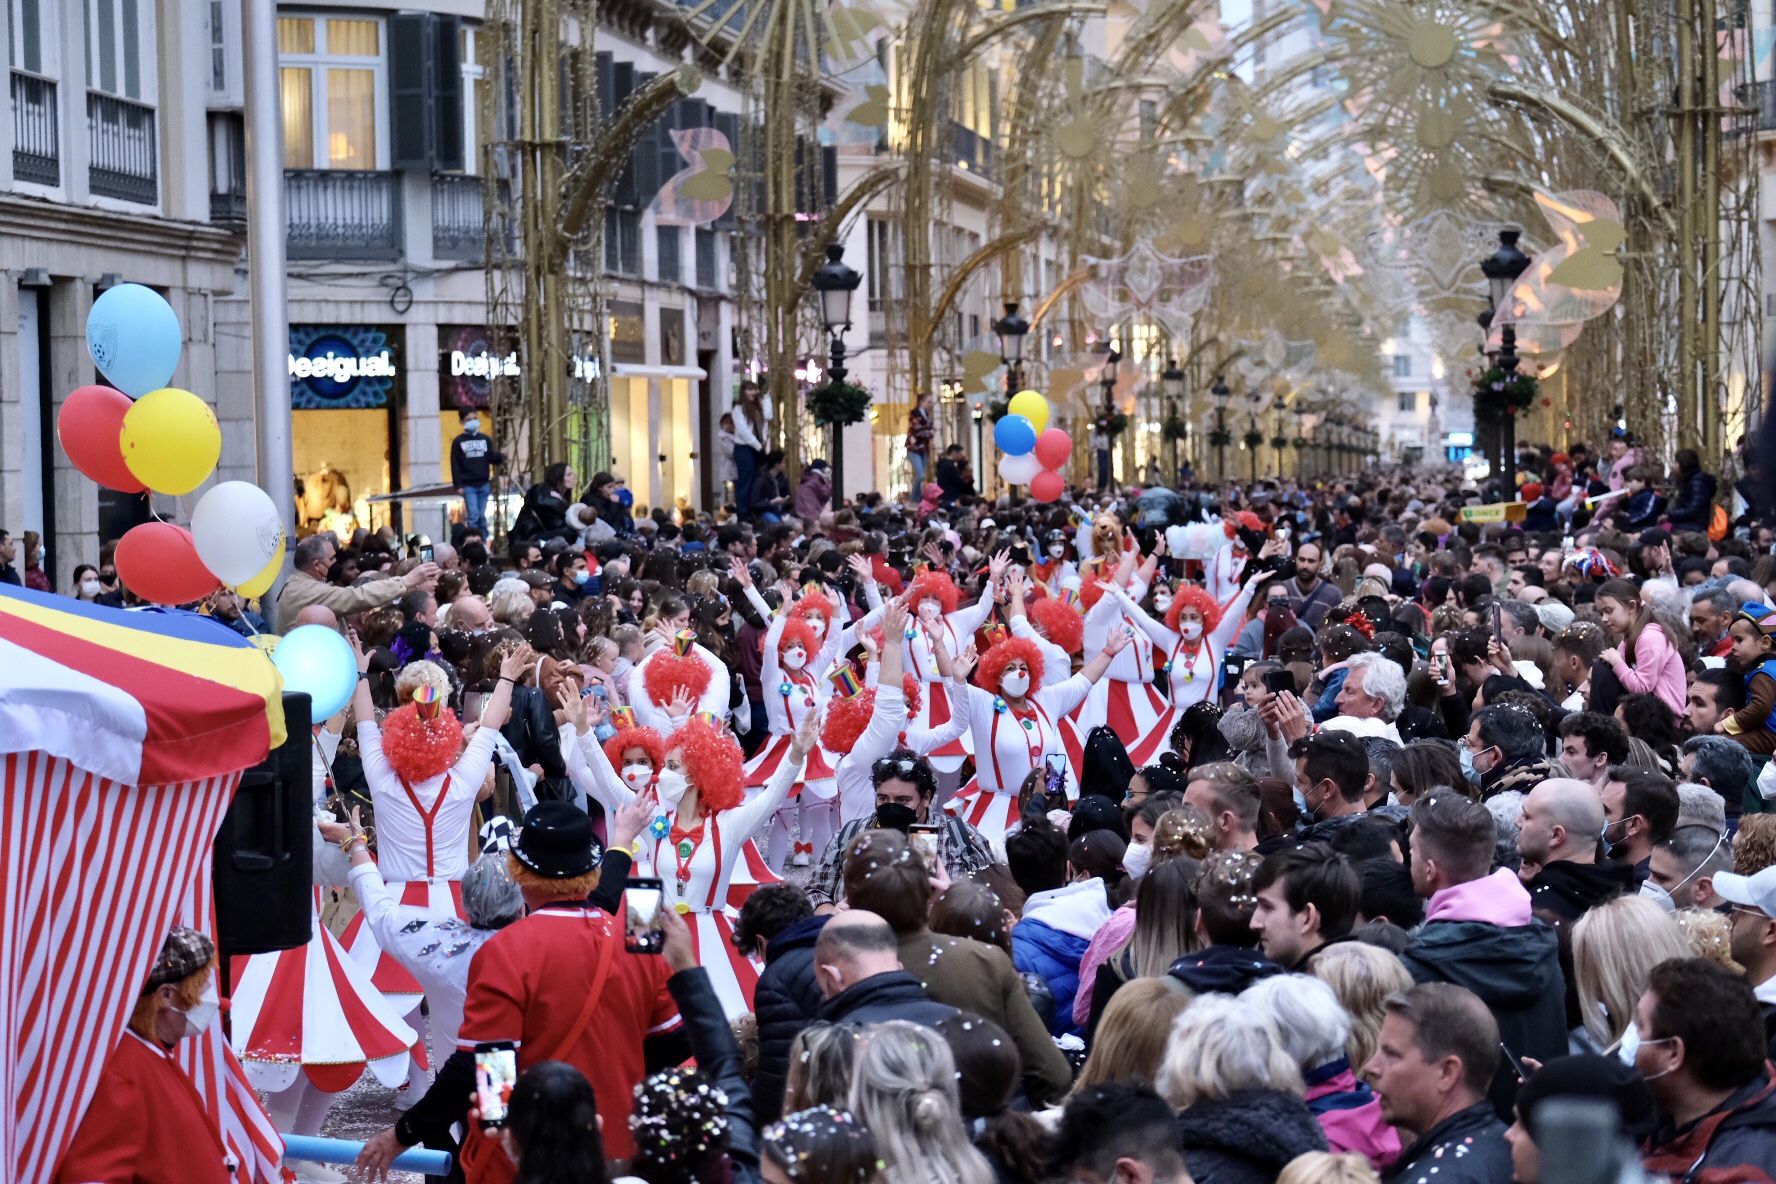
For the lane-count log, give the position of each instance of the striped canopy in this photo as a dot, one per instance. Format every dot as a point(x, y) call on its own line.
point(150, 697)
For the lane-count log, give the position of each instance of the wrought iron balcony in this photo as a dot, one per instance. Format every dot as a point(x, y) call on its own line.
point(36, 134)
point(342, 214)
point(459, 219)
point(973, 151)
point(124, 159)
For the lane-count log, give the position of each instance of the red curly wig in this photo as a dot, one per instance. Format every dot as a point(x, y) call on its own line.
point(666, 672)
point(1090, 592)
point(797, 632)
point(935, 585)
point(712, 762)
point(1190, 596)
point(646, 739)
point(1002, 654)
point(418, 749)
point(1060, 623)
point(813, 604)
point(847, 718)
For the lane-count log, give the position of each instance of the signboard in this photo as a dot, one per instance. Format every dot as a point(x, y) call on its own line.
point(340, 367)
point(470, 358)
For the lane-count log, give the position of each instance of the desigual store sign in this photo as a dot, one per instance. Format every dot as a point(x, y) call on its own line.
point(341, 367)
point(470, 359)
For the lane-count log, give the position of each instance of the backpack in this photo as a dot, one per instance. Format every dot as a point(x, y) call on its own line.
point(1718, 524)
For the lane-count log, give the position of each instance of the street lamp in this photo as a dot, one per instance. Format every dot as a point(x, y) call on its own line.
point(835, 282)
point(1012, 329)
point(1501, 270)
point(1221, 392)
point(1107, 381)
point(1171, 385)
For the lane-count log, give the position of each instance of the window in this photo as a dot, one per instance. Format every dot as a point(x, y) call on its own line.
point(334, 83)
point(706, 277)
point(120, 45)
point(667, 263)
point(1402, 365)
point(32, 37)
point(476, 93)
point(883, 277)
point(1409, 402)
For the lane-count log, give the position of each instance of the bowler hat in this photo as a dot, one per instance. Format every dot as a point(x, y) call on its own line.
point(556, 841)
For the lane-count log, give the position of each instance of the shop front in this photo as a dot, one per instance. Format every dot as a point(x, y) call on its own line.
point(654, 408)
point(345, 407)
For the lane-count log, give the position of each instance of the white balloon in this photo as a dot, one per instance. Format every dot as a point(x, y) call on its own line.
point(237, 530)
point(1019, 470)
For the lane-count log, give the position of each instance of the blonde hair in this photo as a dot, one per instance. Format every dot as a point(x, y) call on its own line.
point(1710, 936)
point(1362, 976)
point(421, 674)
point(1615, 947)
point(1754, 847)
point(903, 1090)
point(1323, 1167)
point(703, 583)
point(1131, 1037)
point(1217, 1047)
point(820, 1060)
point(512, 607)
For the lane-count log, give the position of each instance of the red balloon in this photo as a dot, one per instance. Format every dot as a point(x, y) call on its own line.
point(89, 426)
point(158, 562)
point(1053, 447)
point(1047, 485)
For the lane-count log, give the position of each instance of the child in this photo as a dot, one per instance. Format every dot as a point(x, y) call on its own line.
point(1643, 505)
point(1643, 656)
point(630, 650)
point(1754, 654)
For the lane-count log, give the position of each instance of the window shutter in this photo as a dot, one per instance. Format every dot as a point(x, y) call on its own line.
point(447, 150)
point(729, 126)
point(411, 130)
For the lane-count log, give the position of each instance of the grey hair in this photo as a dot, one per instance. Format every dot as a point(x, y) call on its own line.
point(1514, 729)
point(1721, 600)
point(1698, 849)
point(1747, 591)
point(1382, 753)
point(1724, 764)
point(903, 1090)
point(1507, 816)
point(490, 896)
point(1383, 679)
point(1523, 613)
point(1310, 1021)
point(311, 549)
point(1217, 1047)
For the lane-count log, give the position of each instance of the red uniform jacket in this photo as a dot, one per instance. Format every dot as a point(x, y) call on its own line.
point(146, 1125)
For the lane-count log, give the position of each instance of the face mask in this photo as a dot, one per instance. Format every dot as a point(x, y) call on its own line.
point(1014, 684)
point(1057, 549)
point(637, 775)
point(1467, 764)
point(203, 1012)
point(89, 588)
point(1610, 844)
point(471, 426)
point(894, 816)
point(1394, 800)
point(929, 609)
point(1190, 630)
point(1301, 803)
point(582, 578)
point(1651, 891)
point(42, 555)
point(818, 624)
point(1137, 859)
point(1162, 602)
point(795, 659)
point(671, 788)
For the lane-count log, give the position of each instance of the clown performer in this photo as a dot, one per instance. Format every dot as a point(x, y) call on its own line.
point(1052, 623)
point(864, 724)
point(424, 782)
point(1016, 727)
point(1225, 570)
point(697, 842)
point(649, 691)
point(933, 596)
point(1126, 701)
point(1055, 573)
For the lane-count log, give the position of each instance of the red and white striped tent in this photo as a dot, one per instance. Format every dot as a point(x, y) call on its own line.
point(123, 736)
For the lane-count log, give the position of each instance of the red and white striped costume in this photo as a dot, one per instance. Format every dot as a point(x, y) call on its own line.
point(789, 696)
point(888, 726)
point(952, 631)
point(1126, 698)
point(1008, 744)
point(1225, 571)
point(1193, 670)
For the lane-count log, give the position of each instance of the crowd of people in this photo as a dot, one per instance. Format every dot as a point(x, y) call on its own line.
point(1232, 834)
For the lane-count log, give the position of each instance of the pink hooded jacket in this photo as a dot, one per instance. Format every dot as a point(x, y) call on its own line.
point(1498, 899)
point(1357, 1128)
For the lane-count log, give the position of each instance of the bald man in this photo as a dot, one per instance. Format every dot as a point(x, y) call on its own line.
point(444, 555)
point(316, 614)
point(469, 613)
point(857, 965)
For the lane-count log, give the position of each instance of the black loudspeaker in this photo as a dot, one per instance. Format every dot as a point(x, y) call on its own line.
point(264, 863)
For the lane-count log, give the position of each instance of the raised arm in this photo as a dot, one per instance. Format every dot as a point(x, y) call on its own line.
point(1160, 635)
point(498, 708)
point(745, 818)
point(1233, 613)
point(742, 576)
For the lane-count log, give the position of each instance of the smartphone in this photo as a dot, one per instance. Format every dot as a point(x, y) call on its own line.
point(1516, 1065)
point(425, 553)
point(496, 1071)
point(922, 837)
point(642, 901)
point(1497, 615)
point(1054, 780)
point(1278, 681)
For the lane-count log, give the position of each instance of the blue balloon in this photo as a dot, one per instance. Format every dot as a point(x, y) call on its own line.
point(315, 660)
point(1015, 435)
point(134, 338)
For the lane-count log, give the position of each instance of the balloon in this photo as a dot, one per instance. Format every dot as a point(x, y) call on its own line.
point(1014, 435)
point(1032, 406)
point(237, 531)
point(1047, 485)
point(133, 336)
point(1053, 447)
point(1017, 470)
point(261, 582)
point(171, 440)
point(317, 662)
point(158, 562)
point(89, 425)
point(267, 642)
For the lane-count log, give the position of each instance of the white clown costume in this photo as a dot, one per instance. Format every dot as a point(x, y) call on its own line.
point(1126, 698)
point(938, 623)
point(1192, 665)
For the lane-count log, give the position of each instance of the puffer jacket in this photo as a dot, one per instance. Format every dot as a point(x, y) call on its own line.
point(786, 1000)
point(1051, 941)
point(1730, 1142)
point(1694, 504)
point(1481, 935)
point(1350, 1114)
point(1248, 1137)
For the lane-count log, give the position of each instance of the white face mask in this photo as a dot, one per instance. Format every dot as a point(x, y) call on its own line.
point(1014, 684)
point(637, 775)
point(471, 426)
point(671, 788)
point(795, 659)
point(1137, 859)
point(90, 588)
point(203, 1012)
point(1161, 601)
point(929, 610)
point(1190, 630)
point(1651, 891)
point(818, 624)
point(1057, 549)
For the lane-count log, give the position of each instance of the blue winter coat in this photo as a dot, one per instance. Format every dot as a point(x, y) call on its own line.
point(1054, 957)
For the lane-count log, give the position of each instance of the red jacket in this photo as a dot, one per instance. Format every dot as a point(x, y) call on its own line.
point(146, 1125)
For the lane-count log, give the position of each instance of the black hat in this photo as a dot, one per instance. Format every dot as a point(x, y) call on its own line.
point(1654, 536)
point(1589, 1076)
point(556, 841)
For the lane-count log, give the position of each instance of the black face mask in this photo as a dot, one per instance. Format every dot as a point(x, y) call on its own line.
point(894, 816)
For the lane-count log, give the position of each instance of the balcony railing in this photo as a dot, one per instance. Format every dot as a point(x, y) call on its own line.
point(973, 151)
point(342, 214)
point(459, 218)
point(124, 159)
point(36, 138)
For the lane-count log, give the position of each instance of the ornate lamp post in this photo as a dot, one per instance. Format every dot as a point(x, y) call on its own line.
point(1501, 269)
point(1107, 382)
point(1012, 328)
point(834, 282)
point(1171, 383)
point(1221, 391)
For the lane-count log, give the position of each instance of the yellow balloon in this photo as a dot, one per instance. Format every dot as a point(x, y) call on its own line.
point(170, 440)
point(1033, 407)
point(261, 583)
point(267, 641)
